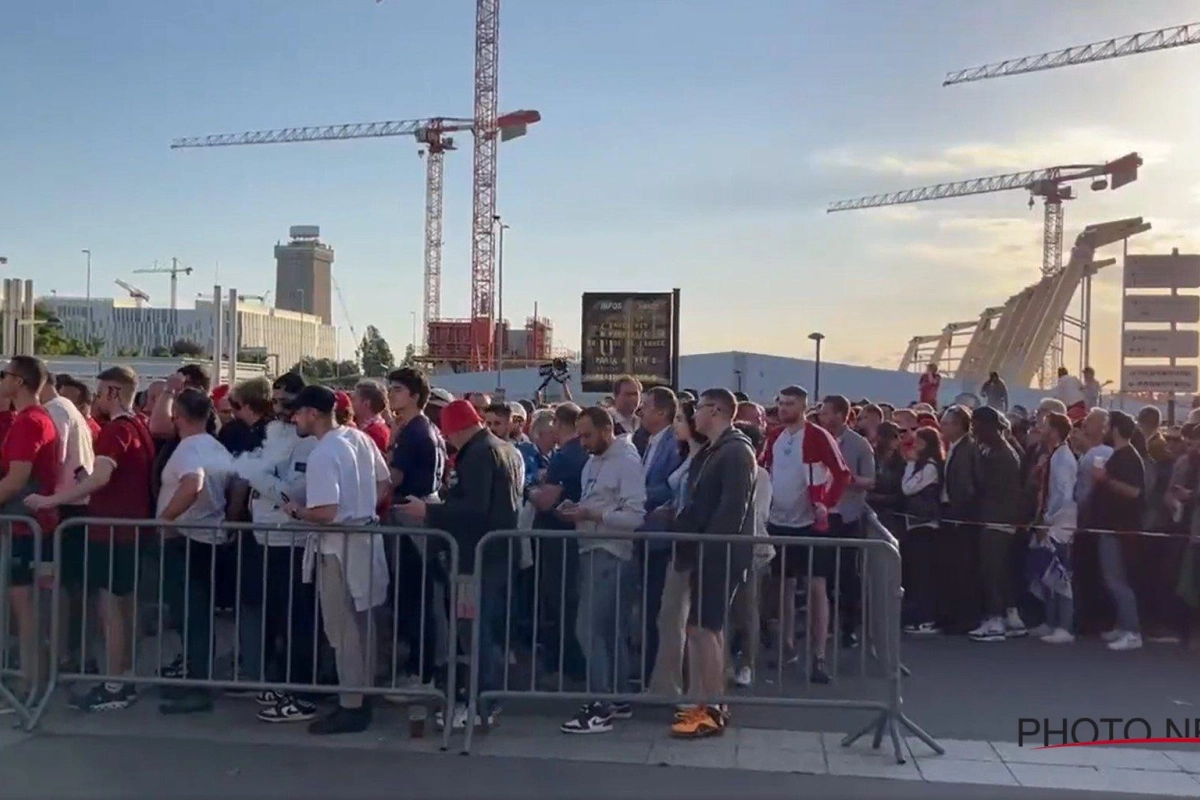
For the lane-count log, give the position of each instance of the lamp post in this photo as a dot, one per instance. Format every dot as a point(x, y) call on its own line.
point(88, 296)
point(817, 338)
point(500, 301)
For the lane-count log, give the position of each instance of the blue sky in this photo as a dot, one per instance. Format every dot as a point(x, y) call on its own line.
point(689, 143)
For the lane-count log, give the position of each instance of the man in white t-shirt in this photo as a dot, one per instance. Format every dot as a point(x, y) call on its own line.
point(194, 483)
point(74, 445)
point(345, 476)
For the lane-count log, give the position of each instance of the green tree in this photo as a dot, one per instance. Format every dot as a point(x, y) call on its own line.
point(129, 352)
point(376, 354)
point(410, 357)
point(186, 347)
point(321, 369)
point(50, 339)
point(161, 351)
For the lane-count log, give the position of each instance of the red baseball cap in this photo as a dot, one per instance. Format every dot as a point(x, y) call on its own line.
point(342, 401)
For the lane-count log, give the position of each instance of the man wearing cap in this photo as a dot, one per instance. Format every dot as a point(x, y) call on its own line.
point(344, 477)
point(999, 508)
point(517, 417)
point(486, 497)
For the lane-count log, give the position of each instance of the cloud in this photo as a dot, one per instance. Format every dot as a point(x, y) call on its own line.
point(1070, 146)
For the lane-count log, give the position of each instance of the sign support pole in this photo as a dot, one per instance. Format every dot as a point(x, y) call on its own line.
point(675, 379)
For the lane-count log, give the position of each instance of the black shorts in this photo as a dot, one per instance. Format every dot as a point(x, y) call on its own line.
point(713, 589)
point(23, 569)
point(793, 561)
point(109, 565)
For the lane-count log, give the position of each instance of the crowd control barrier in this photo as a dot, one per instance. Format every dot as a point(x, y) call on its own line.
point(24, 567)
point(596, 592)
point(252, 618)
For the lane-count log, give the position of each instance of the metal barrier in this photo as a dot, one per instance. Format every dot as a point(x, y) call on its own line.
point(270, 590)
point(610, 586)
point(23, 570)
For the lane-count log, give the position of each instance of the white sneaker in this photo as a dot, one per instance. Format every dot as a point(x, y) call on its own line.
point(1041, 630)
point(1059, 636)
point(744, 677)
point(1113, 635)
point(1128, 641)
point(992, 630)
point(1014, 626)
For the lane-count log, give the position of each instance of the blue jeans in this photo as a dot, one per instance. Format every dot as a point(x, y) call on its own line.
point(605, 605)
point(1112, 569)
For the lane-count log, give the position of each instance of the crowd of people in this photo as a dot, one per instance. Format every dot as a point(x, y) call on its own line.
point(986, 506)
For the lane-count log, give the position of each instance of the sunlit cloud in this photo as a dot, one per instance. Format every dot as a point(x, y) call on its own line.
point(1070, 146)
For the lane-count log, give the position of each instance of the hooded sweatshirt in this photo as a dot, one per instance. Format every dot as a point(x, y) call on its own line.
point(615, 485)
point(276, 473)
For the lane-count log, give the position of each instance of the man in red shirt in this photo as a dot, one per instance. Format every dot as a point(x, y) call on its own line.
point(105, 559)
point(368, 403)
point(29, 464)
point(929, 385)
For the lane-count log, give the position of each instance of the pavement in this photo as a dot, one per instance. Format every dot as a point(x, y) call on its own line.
point(970, 696)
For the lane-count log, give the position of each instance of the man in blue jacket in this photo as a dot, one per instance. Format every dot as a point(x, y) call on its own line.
point(661, 458)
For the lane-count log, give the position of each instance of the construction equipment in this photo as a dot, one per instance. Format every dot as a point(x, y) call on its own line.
point(483, 184)
point(1146, 42)
point(175, 270)
point(1049, 183)
point(262, 298)
point(346, 314)
point(432, 134)
point(139, 297)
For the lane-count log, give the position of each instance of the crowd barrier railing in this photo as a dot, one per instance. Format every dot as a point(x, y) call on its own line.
point(297, 618)
point(24, 568)
point(598, 592)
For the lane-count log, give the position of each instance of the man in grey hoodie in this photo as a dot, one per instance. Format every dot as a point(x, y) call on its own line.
point(613, 499)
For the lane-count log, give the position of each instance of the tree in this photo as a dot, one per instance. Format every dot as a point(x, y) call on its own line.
point(410, 358)
point(50, 339)
point(376, 354)
point(129, 352)
point(255, 356)
point(161, 351)
point(325, 369)
point(186, 347)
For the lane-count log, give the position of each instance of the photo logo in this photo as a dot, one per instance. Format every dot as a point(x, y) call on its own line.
point(1047, 733)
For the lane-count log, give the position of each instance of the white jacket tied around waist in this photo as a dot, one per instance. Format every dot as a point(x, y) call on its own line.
point(364, 562)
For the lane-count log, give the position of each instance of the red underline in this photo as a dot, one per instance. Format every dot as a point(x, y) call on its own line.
point(1155, 740)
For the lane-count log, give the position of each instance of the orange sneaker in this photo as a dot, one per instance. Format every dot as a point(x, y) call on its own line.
point(697, 723)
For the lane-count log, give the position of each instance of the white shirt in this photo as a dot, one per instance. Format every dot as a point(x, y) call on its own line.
point(628, 424)
point(1070, 390)
point(1091, 393)
point(201, 455)
point(791, 506)
point(343, 470)
point(75, 452)
point(1064, 470)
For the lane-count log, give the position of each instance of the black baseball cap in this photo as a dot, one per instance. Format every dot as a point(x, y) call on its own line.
point(319, 398)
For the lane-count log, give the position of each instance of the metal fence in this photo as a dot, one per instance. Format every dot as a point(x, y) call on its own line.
point(24, 553)
point(604, 593)
point(250, 610)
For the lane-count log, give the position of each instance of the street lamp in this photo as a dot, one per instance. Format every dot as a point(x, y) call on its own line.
point(817, 338)
point(88, 253)
point(500, 302)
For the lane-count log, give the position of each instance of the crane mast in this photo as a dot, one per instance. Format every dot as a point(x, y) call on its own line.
point(483, 202)
point(1145, 42)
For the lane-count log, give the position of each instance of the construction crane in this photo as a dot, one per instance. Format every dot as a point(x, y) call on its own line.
point(262, 298)
point(175, 270)
point(346, 314)
point(1146, 42)
point(483, 184)
point(139, 297)
point(433, 136)
point(1049, 183)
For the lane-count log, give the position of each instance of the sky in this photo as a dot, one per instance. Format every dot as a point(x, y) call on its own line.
point(683, 143)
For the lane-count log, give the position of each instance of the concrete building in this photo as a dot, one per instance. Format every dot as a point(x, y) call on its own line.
point(148, 369)
point(759, 376)
point(279, 334)
point(304, 273)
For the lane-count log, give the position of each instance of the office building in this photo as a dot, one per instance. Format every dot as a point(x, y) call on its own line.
point(304, 273)
point(278, 334)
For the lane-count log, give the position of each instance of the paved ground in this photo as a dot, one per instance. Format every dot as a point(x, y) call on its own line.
point(959, 691)
point(67, 768)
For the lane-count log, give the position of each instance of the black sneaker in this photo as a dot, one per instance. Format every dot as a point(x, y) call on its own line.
point(290, 709)
point(269, 698)
point(175, 669)
point(849, 640)
point(592, 718)
point(342, 720)
point(621, 711)
point(105, 697)
point(819, 673)
point(190, 701)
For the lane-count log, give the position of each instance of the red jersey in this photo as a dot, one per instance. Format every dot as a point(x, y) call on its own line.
point(94, 427)
point(32, 438)
point(127, 443)
point(928, 387)
point(379, 433)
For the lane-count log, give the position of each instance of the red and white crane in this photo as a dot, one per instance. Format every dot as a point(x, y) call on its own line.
point(433, 134)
